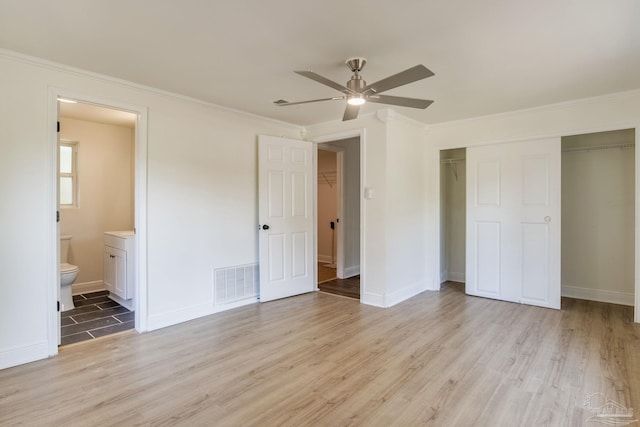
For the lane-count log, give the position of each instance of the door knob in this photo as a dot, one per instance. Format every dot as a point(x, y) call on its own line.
point(265, 227)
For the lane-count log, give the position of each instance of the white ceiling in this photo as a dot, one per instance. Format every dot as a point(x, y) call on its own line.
point(488, 56)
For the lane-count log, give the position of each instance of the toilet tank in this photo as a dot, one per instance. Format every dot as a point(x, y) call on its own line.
point(64, 248)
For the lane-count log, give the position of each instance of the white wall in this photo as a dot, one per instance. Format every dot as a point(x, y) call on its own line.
point(202, 197)
point(105, 191)
point(327, 197)
point(407, 211)
point(598, 212)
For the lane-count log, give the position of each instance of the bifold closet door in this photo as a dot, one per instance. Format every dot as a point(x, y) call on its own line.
point(513, 222)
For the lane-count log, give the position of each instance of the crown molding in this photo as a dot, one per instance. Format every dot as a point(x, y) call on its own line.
point(546, 107)
point(55, 66)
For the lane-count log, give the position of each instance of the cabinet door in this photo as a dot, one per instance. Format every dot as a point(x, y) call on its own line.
point(115, 271)
point(109, 263)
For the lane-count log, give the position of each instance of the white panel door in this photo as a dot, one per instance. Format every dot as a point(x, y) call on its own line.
point(513, 222)
point(286, 235)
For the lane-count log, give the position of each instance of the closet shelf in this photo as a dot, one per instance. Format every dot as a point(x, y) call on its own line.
point(598, 148)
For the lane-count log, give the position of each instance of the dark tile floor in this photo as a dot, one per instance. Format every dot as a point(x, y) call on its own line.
point(346, 287)
point(95, 315)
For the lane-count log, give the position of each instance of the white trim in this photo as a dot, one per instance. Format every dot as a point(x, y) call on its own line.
point(455, 277)
point(24, 354)
point(52, 278)
point(55, 66)
point(354, 270)
point(375, 300)
point(224, 307)
point(325, 259)
point(170, 318)
point(600, 295)
point(388, 114)
point(87, 287)
point(636, 315)
point(404, 294)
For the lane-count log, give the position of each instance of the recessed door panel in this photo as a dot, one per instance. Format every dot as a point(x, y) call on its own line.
point(299, 254)
point(488, 258)
point(535, 263)
point(276, 257)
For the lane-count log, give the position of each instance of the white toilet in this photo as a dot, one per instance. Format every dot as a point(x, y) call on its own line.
point(68, 274)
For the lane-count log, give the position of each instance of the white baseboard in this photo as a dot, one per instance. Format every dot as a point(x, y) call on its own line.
point(456, 277)
point(162, 320)
point(375, 300)
point(25, 354)
point(224, 307)
point(87, 287)
point(598, 295)
point(443, 276)
point(351, 271)
point(404, 294)
point(325, 259)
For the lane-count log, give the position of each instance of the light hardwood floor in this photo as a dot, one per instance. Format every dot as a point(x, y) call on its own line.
point(440, 358)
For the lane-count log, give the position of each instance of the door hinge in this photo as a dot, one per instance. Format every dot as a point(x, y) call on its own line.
point(58, 305)
point(57, 216)
point(58, 128)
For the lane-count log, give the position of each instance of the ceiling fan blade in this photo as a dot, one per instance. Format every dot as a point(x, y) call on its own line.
point(283, 104)
point(317, 77)
point(351, 112)
point(413, 74)
point(400, 100)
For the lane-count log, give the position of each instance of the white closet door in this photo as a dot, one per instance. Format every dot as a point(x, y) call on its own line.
point(513, 222)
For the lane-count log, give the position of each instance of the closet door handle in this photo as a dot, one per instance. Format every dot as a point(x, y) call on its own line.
point(547, 219)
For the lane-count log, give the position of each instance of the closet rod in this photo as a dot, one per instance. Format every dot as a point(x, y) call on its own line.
point(598, 148)
point(449, 161)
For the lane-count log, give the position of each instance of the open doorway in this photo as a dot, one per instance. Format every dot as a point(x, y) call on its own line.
point(97, 191)
point(338, 214)
point(452, 218)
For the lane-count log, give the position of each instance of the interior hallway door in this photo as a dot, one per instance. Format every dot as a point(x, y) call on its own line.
point(513, 222)
point(286, 235)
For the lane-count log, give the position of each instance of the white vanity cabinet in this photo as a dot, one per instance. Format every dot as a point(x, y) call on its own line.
point(119, 264)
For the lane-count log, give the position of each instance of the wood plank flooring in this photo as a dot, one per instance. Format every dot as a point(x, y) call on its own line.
point(438, 359)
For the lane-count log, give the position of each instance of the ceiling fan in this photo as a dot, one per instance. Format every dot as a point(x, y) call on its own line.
point(357, 92)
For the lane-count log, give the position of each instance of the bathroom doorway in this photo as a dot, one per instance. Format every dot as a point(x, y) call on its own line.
point(98, 187)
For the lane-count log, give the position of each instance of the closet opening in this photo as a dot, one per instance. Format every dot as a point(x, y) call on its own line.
point(453, 218)
point(598, 216)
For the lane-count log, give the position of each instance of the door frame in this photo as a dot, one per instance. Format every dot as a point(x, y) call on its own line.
point(355, 133)
point(339, 227)
point(140, 208)
point(435, 164)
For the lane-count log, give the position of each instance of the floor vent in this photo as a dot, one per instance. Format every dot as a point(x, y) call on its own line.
point(234, 284)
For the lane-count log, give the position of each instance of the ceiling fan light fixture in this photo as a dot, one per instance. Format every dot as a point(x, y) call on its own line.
point(356, 100)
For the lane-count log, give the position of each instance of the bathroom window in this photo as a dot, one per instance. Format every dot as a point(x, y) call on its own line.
point(68, 168)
